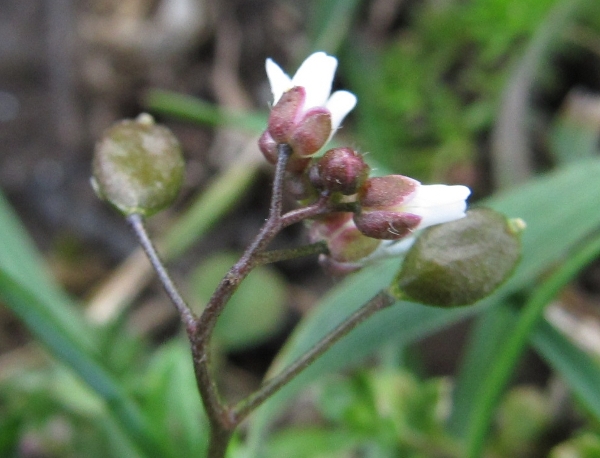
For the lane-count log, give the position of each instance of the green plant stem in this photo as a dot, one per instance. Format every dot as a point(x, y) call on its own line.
point(380, 301)
point(136, 222)
point(496, 379)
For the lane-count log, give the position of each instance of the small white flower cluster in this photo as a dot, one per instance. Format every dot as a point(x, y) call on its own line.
point(421, 207)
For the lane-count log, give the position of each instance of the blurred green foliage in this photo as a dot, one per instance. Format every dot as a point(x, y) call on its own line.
point(431, 94)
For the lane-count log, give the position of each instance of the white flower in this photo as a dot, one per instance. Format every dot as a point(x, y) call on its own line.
point(437, 204)
point(316, 76)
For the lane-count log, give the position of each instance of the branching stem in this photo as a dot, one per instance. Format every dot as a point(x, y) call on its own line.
point(223, 418)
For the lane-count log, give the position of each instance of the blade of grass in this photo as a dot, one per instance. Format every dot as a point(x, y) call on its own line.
point(514, 343)
point(330, 23)
point(196, 110)
point(19, 258)
point(33, 310)
point(577, 368)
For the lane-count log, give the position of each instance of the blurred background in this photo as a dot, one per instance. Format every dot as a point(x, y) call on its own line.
point(487, 93)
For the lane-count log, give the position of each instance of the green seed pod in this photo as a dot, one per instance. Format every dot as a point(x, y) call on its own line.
point(460, 262)
point(138, 166)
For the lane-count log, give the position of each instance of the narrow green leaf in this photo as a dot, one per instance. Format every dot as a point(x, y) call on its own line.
point(578, 369)
point(560, 210)
point(19, 259)
point(513, 344)
point(49, 331)
point(197, 110)
point(331, 20)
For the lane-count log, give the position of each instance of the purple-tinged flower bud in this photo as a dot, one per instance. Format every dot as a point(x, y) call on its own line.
point(268, 147)
point(408, 204)
point(345, 242)
point(341, 170)
point(311, 133)
point(285, 114)
point(388, 192)
point(386, 225)
point(305, 113)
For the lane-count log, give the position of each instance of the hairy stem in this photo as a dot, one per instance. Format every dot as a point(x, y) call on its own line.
point(219, 415)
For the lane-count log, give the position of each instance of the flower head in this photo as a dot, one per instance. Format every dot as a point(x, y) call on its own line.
point(305, 114)
point(394, 206)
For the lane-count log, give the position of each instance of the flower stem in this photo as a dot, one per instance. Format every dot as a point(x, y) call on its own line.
point(188, 318)
point(218, 414)
point(380, 301)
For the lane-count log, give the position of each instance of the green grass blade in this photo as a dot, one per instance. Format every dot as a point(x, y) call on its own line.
point(19, 258)
point(577, 368)
point(31, 308)
point(196, 110)
point(560, 210)
point(514, 343)
point(331, 20)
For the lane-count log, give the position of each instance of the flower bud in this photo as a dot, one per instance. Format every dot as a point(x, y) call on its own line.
point(386, 192)
point(341, 170)
point(306, 114)
point(311, 133)
point(345, 242)
point(386, 225)
point(406, 205)
point(268, 146)
point(305, 131)
point(285, 114)
point(138, 166)
point(460, 262)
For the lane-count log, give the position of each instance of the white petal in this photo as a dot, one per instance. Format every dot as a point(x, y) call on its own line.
point(278, 80)
point(316, 76)
point(438, 204)
point(436, 194)
point(339, 105)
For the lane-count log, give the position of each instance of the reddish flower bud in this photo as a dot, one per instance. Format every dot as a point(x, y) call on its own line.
point(386, 225)
point(268, 147)
point(311, 133)
point(349, 245)
point(407, 204)
point(345, 242)
point(386, 192)
point(285, 114)
point(341, 170)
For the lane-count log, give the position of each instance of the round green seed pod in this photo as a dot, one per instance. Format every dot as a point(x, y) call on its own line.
point(460, 262)
point(138, 166)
